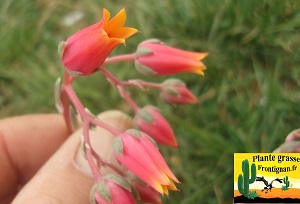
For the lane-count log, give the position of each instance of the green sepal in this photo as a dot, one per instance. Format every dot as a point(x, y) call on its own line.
point(135, 133)
point(170, 91)
point(145, 115)
point(143, 51)
point(57, 96)
point(61, 48)
point(118, 145)
point(92, 197)
point(153, 40)
point(174, 81)
point(104, 191)
point(143, 69)
point(116, 178)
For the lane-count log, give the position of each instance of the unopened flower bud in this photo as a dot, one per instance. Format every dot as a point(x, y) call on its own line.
point(150, 121)
point(155, 58)
point(113, 189)
point(138, 154)
point(177, 94)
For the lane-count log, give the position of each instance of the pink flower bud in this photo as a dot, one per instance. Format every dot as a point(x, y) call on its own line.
point(175, 92)
point(154, 58)
point(146, 193)
point(113, 189)
point(138, 154)
point(87, 49)
point(150, 121)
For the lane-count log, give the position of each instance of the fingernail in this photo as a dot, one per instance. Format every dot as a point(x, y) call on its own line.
point(101, 141)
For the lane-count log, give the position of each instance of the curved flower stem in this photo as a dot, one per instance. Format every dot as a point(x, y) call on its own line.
point(123, 92)
point(121, 88)
point(119, 58)
point(67, 88)
point(134, 83)
point(102, 162)
point(111, 129)
point(89, 154)
point(68, 94)
point(145, 84)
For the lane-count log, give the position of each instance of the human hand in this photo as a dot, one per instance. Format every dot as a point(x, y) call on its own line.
point(39, 163)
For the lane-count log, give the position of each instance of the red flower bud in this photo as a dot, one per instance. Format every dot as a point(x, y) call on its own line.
point(154, 58)
point(150, 121)
point(138, 154)
point(112, 189)
point(177, 93)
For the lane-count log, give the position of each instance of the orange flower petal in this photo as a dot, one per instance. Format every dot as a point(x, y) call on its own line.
point(106, 15)
point(124, 32)
point(116, 22)
point(202, 55)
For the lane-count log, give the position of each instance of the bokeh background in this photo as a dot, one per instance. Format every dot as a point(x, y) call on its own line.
point(249, 97)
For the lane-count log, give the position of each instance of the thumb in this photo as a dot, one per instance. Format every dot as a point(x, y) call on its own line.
point(66, 177)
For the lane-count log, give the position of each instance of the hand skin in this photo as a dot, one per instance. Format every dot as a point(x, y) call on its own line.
point(40, 163)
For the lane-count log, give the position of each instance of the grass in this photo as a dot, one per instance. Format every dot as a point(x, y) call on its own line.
point(249, 97)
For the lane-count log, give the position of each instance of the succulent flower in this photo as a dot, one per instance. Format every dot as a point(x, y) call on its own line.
point(137, 153)
point(175, 92)
point(88, 48)
point(112, 189)
point(155, 58)
point(150, 121)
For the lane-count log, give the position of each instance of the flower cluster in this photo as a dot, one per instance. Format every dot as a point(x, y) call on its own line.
point(86, 52)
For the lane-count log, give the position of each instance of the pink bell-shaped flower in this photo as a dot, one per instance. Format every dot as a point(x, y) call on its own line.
point(137, 153)
point(88, 48)
point(155, 58)
point(174, 91)
point(112, 189)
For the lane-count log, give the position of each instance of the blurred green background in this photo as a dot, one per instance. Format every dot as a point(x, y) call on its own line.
point(249, 97)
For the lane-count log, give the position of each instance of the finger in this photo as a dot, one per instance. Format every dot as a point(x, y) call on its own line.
point(66, 178)
point(26, 142)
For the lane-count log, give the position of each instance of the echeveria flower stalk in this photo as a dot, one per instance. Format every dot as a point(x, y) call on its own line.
point(138, 154)
point(82, 54)
point(155, 58)
point(87, 49)
point(150, 121)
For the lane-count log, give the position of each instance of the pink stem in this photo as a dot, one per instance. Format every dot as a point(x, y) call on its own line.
point(89, 154)
point(111, 129)
point(105, 163)
point(129, 100)
point(119, 58)
point(120, 86)
point(69, 93)
point(65, 102)
point(132, 83)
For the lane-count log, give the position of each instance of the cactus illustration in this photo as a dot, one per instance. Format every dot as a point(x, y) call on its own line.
point(286, 182)
point(244, 180)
